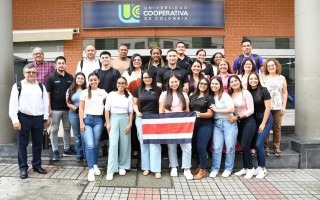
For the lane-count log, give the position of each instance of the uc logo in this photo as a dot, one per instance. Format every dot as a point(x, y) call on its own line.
point(129, 13)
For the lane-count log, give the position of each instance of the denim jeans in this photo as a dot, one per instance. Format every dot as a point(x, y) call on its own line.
point(57, 116)
point(78, 139)
point(150, 153)
point(91, 136)
point(186, 155)
point(261, 154)
point(224, 133)
point(246, 131)
point(203, 133)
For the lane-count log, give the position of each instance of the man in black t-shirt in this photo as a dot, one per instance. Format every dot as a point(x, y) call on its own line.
point(107, 74)
point(184, 61)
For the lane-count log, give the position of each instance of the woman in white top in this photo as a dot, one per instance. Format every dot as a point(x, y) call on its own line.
point(277, 86)
point(91, 121)
point(119, 114)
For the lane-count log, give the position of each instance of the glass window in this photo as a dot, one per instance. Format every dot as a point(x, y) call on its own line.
point(47, 46)
point(272, 42)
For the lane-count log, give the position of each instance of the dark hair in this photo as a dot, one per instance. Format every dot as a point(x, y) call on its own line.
point(258, 95)
point(60, 57)
point(143, 86)
point(150, 63)
point(105, 53)
point(89, 88)
point(244, 62)
point(171, 50)
point(207, 94)
point(214, 55)
point(191, 80)
point(73, 87)
point(221, 90)
point(131, 67)
point(200, 51)
point(230, 90)
point(180, 95)
point(180, 42)
point(126, 93)
point(246, 40)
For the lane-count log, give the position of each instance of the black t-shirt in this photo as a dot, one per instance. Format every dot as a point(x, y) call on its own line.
point(58, 85)
point(185, 63)
point(153, 68)
point(208, 70)
point(108, 79)
point(165, 72)
point(202, 105)
point(149, 101)
point(259, 98)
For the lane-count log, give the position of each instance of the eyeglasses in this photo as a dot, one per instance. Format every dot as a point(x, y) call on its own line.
point(30, 72)
point(203, 84)
point(121, 83)
point(38, 54)
point(147, 78)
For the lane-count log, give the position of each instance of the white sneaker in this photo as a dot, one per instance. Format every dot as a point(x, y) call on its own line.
point(122, 172)
point(96, 170)
point(249, 173)
point(174, 171)
point(213, 174)
point(241, 172)
point(226, 174)
point(91, 175)
point(262, 173)
point(109, 177)
point(187, 174)
point(256, 172)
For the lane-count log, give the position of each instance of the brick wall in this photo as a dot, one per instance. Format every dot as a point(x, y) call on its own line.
point(243, 18)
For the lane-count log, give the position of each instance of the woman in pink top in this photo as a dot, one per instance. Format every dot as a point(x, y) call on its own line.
point(175, 100)
point(244, 108)
point(224, 72)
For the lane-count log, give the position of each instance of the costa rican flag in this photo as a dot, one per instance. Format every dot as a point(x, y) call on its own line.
point(168, 128)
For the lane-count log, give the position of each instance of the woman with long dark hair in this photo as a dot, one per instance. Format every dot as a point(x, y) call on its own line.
point(73, 99)
point(91, 121)
point(146, 100)
point(263, 118)
point(155, 62)
point(175, 100)
point(200, 102)
point(247, 67)
point(195, 76)
point(206, 68)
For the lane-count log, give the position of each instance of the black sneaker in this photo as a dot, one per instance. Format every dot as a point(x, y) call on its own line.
point(68, 152)
point(56, 156)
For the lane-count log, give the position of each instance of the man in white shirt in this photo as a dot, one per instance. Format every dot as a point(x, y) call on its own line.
point(90, 63)
point(28, 110)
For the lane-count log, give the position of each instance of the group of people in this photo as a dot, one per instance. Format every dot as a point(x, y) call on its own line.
point(239, 103)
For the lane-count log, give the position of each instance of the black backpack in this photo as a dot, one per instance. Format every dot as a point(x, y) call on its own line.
point(19, 87)
point(256, 60)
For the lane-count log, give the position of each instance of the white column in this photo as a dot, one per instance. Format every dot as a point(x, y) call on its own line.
point(7, 134)
point(307, 71)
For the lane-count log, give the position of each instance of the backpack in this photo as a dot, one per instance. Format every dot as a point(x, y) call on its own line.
point(19, 87)
point(256, 60)
point(81, 64)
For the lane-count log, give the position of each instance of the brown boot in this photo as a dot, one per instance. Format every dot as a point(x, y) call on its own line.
point(202, 174)
point(195, 170)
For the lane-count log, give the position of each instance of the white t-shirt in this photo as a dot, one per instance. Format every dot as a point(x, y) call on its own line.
point(94, 105)
point(119, 103)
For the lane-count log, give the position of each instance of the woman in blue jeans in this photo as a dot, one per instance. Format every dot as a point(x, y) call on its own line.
point(146, 98)
point(73, 98)
point(200, 102)
point(91, 121)
point(264, 121)
point(224, 131)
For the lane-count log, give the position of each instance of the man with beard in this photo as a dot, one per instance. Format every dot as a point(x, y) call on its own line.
point(122, 62)
point(57, 85)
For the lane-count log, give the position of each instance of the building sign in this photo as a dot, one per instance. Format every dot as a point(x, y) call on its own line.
point(153, 13)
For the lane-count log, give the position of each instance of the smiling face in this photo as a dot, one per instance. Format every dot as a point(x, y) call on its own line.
point(253, 80)
point(203, 85)
point(223, 67)
point(201, 56)
point(93, 81)
point(172, 58)
point(215, 85)
point(147, 79)
point(155, 55)
point(180, 48)
point(271, 67)
point(137, 62)
point(247, 66)
point(61, 65)
point(105, 60)
point(90, 51)
point(234, 83)
point(217, 58)
point(246, 48)
point(196, 68)
point(121, 84)
point(123, 51)
point(174, 83)
point(38, 55)
point(80, 80)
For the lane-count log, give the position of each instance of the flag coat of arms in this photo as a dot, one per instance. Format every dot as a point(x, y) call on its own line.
point(168, 128)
